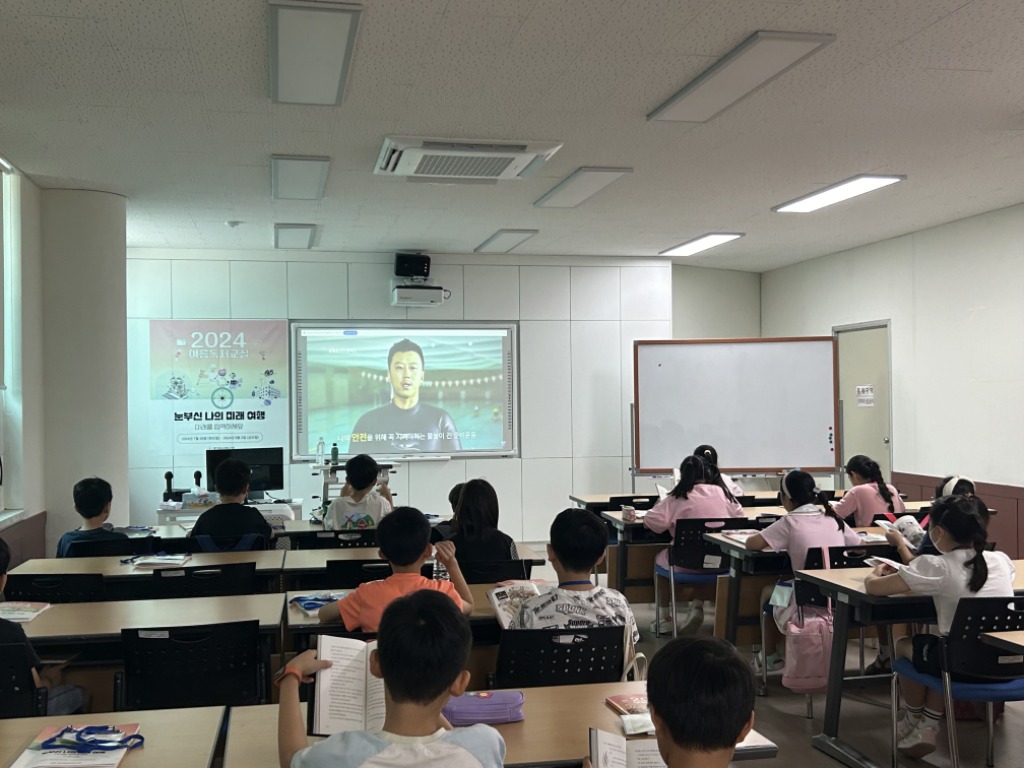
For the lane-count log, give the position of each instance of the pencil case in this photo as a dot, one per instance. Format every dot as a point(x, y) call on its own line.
point(489, 707)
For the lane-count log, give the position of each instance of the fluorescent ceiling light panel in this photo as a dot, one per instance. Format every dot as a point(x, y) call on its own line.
point(504, 240)
point(294, 236)
point(702, 243)
point(293, 177)
point(580, 185)
point(753, 63)
point(844, 190)
point(311, 46)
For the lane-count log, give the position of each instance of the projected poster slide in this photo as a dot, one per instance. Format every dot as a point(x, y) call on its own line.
point(404, 391)
point(219, 383)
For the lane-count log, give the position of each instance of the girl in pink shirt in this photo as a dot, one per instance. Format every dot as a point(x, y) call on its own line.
point(699, 494)
point(870, 494)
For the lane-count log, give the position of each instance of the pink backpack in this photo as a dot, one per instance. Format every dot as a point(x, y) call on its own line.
point(808, 650)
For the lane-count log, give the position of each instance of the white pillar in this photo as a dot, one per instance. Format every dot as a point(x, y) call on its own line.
point(85, 345)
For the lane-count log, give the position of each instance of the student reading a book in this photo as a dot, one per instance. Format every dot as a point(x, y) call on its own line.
point(870, 494)
point(404, 540)
point(963, 568)
point(476, 536)
point(92, 501)
point(578, 542)
point(700, 493)
point(710, 455)
point(422, 650)
point(231, 519)
point(700, 694)
point(951, 485)
point(807, 526)
point(62, 699)
point(362, 503)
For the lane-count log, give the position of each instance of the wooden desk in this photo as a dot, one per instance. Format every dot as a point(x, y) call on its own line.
point(175, 738)
point(555, 730)
point(1007, 641)
point(852, 603)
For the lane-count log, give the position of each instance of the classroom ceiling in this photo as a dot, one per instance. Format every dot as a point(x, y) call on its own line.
point(167, 103)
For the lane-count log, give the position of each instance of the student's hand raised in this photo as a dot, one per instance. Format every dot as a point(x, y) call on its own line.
point(307, 665)
point(346, 489)
point(444, 553)
point(894, 537)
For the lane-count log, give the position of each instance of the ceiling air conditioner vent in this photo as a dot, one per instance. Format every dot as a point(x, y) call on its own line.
point(460, 161)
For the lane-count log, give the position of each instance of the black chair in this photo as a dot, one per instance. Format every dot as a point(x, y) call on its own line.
point(349, 574)
point(333, 540)
point(200, 666)
point(637, 502)
point(205, 581)
point(541, 657)
point(140, 545)
point(249, 542)
point(56, 588)
point(19, 696)
point(495, 571)
point(998, 675)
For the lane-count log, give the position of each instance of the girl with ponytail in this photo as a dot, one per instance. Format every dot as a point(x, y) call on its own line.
point(810, 523)
point(870, 494)
point(964, 568)
point(710, 455)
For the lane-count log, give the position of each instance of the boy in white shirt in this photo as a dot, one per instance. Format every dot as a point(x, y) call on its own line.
point(359, 507)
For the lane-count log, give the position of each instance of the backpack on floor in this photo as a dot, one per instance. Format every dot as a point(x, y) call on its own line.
point(808, 650)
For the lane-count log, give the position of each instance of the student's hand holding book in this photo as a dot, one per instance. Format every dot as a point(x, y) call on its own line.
point(304, 666)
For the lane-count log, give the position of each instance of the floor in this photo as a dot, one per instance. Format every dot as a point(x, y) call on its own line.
point(781, 715)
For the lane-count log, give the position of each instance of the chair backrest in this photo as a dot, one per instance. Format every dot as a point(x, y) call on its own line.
point(19, 696)
point(334, 540)
point(637, 502)
point(56, 588)
point(139, 545)
point(692, 551)
point(348, 574)
point(205, 581)
point(249, 542)
point(199, 666)
point(963, 651)
point(536, 657)
point(495, 571)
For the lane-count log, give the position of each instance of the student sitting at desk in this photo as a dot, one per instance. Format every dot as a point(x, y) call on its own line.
point(805, 527)
point(710, 455)
point(422, 651)
point(404, 540)
point(870, 494)
point(362, 502)
point(231, 519)
point(700, 493)
point(578, 543)
point(62, 699)
point(701, 696)
point(92, 501)
point(962, 569)
point(475, 526)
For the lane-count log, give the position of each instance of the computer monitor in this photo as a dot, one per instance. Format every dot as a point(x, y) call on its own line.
point(267, 465)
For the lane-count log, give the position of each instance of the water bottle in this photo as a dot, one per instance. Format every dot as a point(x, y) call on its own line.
point(334, 453)
point(321, 449)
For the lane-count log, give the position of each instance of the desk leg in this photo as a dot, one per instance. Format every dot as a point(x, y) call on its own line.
point(828, 740)
point(733, 606)
point(622, 566)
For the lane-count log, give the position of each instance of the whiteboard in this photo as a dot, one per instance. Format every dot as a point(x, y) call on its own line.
point(765, 404)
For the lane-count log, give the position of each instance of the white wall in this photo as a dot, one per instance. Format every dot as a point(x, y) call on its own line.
point(955, 297)
point(578, 318)
point(715, 303)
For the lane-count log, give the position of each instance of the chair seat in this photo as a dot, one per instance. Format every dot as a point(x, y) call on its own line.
point(1010, 690)
point(684, 577)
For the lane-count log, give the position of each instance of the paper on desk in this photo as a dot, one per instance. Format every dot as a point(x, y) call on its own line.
point(873, 538)
point(34, 757)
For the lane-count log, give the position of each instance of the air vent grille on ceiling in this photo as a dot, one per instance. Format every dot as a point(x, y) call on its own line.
point(454, 161)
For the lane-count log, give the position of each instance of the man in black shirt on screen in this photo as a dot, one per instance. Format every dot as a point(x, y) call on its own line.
point(405, 425)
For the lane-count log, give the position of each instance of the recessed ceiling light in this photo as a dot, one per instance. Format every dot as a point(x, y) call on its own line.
point(753, 63)
point(504, 240)
point(844, 190)
point(311, 46)
point(580, 185)
point(294, 236)
point(294, 177)
point(702, 243)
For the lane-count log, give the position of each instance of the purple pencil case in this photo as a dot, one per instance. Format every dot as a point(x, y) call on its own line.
point(489, 707)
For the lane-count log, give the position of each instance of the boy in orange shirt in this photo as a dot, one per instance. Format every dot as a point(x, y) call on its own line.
point(404, 541)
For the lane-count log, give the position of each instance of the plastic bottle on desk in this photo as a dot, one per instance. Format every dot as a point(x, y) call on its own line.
point(334, 453)
point(321, 449)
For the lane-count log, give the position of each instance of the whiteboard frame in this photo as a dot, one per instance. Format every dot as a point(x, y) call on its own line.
point(641, 470)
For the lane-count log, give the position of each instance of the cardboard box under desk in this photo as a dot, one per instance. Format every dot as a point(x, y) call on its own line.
point(750, 606)
point(641, 566)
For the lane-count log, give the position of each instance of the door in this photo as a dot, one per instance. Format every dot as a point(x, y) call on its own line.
point(864, 393)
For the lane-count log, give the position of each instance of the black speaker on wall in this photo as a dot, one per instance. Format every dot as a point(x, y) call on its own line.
point(412, 265)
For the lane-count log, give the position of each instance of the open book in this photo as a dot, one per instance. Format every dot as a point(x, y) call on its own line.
point(740, 534)
point(609, 750)
point(346, 697)
point(21, 612)
point(508, 598)
point(873, 561)
point(152, 562)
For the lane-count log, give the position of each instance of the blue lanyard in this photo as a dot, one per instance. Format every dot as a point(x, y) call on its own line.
point(313, 602)
point(92, 738)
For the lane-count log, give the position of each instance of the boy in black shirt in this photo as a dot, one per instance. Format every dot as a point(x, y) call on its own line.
point(231, 519)
point(92, 501)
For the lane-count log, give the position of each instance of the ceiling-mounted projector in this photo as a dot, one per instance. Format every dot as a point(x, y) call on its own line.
point(416, 294)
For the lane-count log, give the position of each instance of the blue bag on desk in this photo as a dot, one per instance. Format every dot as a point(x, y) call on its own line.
point(491, 707)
